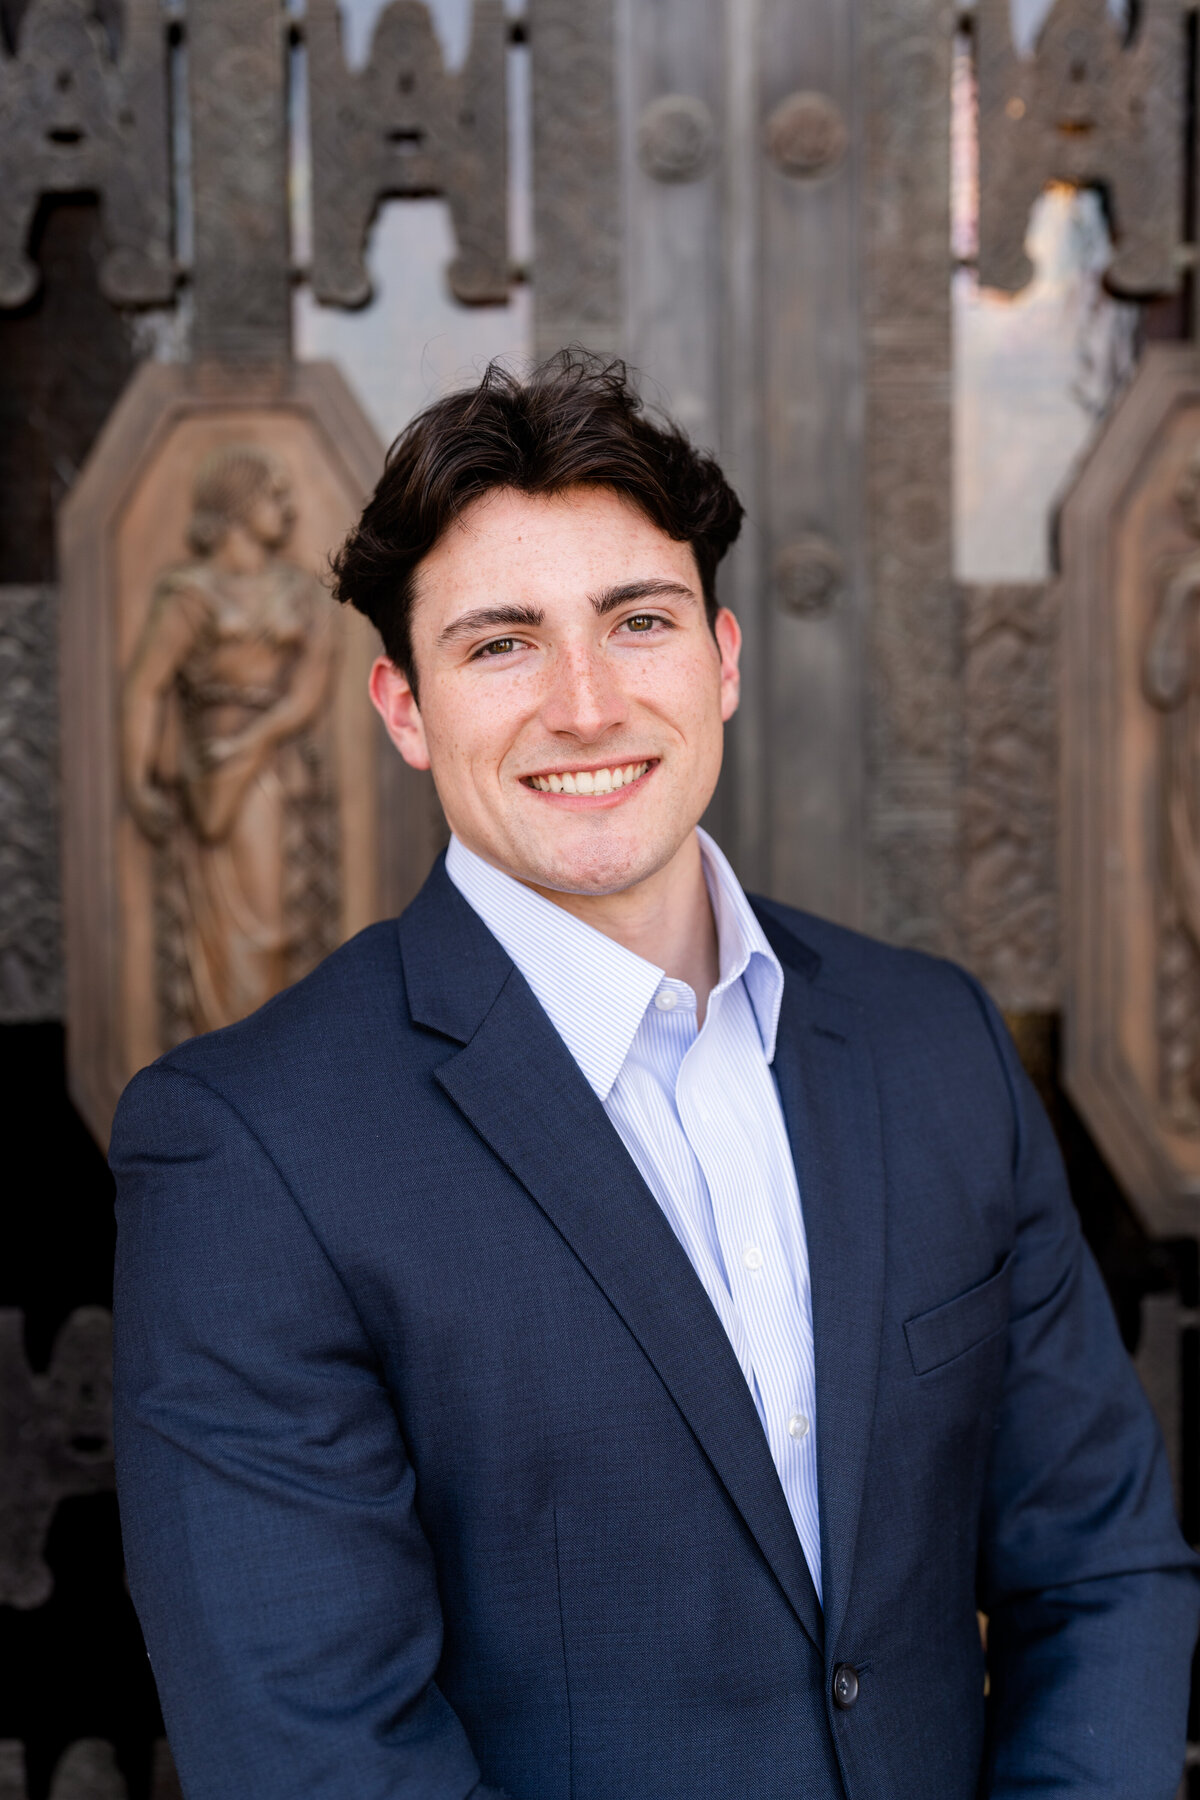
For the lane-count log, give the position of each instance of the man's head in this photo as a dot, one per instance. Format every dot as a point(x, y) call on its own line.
point(539, 559)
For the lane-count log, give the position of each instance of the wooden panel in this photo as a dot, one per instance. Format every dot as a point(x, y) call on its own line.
point(742, 316)
point(788, 298)
point(671, 129)
point(811, 378)
point(915, 716)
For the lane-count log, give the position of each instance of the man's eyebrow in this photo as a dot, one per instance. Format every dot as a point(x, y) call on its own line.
point(610, 598)
point(485, 617)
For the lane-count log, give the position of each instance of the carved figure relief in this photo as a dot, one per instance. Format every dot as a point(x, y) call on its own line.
point(225, 768)
point(224, 824)
point(77, 118)
point(404, 126)
point(55, 1441)
point(1172, 681)
point(1129, 756)
point(1092, 109)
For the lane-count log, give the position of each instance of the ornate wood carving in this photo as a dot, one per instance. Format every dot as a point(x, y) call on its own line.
point(76, 118)
point(1010, 799)
point(55, 1440)
point(914, 717)
point(221, 764)
point(401, 126)
point(1093, 110)
point(1130, 599)
point(30, 916)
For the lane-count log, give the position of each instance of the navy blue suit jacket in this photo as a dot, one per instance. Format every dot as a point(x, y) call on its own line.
point(439, 1476)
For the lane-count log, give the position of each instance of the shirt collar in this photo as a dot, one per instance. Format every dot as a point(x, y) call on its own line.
point(594, 991)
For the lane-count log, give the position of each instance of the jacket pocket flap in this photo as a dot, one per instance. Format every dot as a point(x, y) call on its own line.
point(938, 1336)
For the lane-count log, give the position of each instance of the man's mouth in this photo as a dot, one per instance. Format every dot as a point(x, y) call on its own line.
point(590, 781)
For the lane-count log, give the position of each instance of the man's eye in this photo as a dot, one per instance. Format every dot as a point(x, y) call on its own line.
point(643, 622)
point(497, 647)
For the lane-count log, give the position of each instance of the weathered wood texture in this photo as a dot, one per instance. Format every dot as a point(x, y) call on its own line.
point(241, 282)
point(914, 714)
point(1010, 905)
point(576, 194)
point(1129, 599)
point(123, 525)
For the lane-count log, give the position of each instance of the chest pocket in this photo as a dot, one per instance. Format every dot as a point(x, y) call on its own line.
point(948, 1331)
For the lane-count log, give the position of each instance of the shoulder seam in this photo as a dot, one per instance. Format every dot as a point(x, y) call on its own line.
point(165, 1067)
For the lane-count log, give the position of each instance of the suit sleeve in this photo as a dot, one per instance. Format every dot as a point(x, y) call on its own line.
point(1090, 1591)
point(286, 1591)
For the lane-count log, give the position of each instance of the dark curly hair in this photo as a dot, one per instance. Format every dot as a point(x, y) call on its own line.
point(575, 420)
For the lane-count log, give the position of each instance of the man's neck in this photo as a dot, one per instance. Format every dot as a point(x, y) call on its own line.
point(667, 919)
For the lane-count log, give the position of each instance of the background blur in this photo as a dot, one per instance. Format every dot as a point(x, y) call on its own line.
point(802, 221)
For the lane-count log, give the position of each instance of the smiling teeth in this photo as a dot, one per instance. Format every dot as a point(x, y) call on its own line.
point(589, 781)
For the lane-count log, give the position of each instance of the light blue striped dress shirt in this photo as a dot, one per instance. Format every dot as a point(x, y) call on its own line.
point(699, 1113)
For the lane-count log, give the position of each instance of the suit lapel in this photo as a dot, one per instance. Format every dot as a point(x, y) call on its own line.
point(830, 1101)
point(572, 1162)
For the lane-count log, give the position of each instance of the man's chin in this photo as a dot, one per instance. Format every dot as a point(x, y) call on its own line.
point(596, 869)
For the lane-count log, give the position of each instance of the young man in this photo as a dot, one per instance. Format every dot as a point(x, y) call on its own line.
point(602, 1338)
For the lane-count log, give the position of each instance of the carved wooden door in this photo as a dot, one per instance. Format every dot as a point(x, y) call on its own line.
point(749, 199)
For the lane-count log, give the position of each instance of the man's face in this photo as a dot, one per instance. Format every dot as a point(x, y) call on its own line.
point(561, 644)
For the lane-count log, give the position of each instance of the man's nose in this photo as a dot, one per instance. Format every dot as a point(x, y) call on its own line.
point(584, 700)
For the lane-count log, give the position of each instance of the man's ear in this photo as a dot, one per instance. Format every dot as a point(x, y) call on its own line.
point(394, 701)
point(728, 634)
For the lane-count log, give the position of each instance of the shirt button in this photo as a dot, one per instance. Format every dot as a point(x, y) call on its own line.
point(798, 1426)
point(752, 1256)
point(665, 1000)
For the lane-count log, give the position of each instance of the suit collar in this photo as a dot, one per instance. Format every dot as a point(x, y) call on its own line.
point(595, 991)
point(453, 967)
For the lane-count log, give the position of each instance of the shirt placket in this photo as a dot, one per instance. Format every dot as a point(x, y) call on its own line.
point(758, 1260)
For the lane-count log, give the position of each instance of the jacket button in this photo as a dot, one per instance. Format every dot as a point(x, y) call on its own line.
point(845, 1686)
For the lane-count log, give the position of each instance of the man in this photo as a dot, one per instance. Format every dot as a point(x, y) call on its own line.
point(602, 1338)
